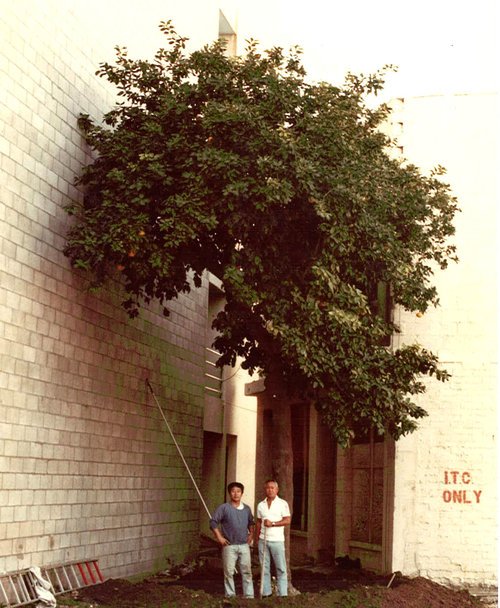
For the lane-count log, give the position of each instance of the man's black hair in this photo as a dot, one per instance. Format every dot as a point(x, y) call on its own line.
point(235, 484)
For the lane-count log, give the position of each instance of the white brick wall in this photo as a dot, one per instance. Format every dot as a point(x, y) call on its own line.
point(434, 534)
point(87, 468)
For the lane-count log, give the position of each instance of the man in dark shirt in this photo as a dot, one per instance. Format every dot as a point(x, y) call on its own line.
point(233, 524)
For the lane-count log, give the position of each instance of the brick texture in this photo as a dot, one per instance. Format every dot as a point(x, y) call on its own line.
point(87, 468)
point(446, 473)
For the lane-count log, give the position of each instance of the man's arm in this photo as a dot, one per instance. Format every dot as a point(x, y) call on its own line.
point(214, 525)
point(251, 529)
point(284, 521)
point(220, 539)
point(286, 517)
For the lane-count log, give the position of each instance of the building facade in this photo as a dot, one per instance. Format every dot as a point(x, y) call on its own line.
point(446, 474)
point(87, 467)
point(427, 504)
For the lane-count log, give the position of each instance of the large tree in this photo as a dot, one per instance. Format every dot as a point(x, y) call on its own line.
point(286, 190)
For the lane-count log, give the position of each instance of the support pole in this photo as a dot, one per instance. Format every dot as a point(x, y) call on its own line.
point(179, 449)
point(262, 566)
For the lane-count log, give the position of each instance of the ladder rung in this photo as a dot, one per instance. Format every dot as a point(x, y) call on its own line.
point(91, 574)
point(75, 576)
point(99, 575)
point(66, 576)
point(80, 568)
point(56, 574)
point(30, 587)
point(15, 590)
point(5, 596)
point(24, 589)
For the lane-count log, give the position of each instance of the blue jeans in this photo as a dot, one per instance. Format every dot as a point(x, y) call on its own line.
point(232, 555)
point(275, 550)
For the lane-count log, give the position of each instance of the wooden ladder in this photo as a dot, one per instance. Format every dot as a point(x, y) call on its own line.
point(18, 588)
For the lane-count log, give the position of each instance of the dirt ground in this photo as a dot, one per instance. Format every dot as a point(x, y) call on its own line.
point(335, 588)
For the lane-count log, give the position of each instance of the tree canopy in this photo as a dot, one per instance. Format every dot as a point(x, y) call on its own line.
point(289, 193)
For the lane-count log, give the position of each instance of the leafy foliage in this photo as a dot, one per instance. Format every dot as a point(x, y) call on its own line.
point(288, 192)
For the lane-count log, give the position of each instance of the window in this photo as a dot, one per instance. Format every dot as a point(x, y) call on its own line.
point(380, 302)
point(213, 373)
point(300, 447)
point(367, 488)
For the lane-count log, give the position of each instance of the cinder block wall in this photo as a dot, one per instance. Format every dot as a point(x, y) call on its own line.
point(446, 473)
point(87, 468)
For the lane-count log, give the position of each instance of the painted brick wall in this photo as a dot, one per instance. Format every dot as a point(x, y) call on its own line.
point(446, 473)
point(87, 469)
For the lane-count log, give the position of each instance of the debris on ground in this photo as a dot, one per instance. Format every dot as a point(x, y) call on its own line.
point(200, 585)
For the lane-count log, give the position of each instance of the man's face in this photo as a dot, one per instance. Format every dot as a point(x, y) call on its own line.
point(235, 494)
point(271, 489)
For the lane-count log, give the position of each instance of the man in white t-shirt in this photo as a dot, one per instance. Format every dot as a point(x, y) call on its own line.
point(273, 514)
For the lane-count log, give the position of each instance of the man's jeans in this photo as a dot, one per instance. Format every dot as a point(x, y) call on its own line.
point(275, 549)
point(232, 555)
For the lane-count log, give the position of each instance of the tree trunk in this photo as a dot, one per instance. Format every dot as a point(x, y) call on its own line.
point(282, 456)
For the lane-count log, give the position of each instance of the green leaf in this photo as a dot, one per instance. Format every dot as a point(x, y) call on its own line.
point(288, 192)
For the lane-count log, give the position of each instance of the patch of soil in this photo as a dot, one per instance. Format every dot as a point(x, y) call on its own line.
point(420, 592)
point(321, 589)
point(150, 593)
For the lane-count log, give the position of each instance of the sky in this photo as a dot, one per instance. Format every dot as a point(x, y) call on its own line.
point(440, 46)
